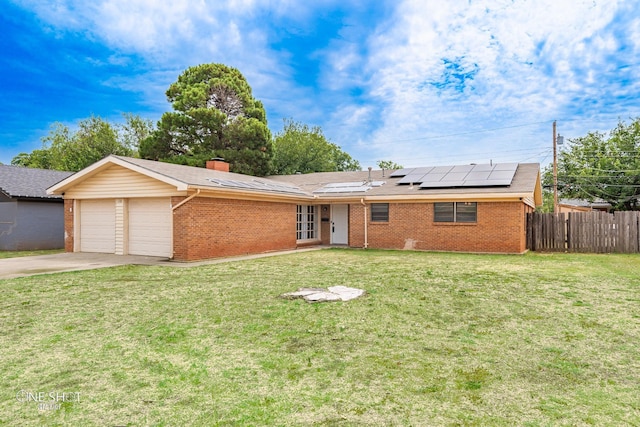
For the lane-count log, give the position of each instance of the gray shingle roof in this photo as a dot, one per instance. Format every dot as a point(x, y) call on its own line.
point(21, 182)
point(584, 203)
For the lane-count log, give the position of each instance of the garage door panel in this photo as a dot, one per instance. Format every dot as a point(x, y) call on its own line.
point(150, 227)
point(97, 226)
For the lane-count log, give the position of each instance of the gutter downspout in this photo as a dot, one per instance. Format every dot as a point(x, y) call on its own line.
point(366, 239)
point(186, 200)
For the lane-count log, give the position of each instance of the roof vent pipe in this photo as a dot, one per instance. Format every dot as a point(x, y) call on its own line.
point(370, 173)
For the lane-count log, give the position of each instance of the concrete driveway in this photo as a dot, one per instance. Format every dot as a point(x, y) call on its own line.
point(42, 264)
point(73, 261)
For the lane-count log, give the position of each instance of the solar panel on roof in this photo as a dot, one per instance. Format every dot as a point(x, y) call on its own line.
point(349, 187)
point(462, 168)
point(441, 169)
point(278, 186)
point(423, 170)
point(255, 185)
point(469, 176)
point(433, 177)
point(478, 175)
point(412, 179)
point(501, 175)
point(344, 184)
point(455, 176)
point(360, 189)
point(401, 173)
point(505, 166)
point(482, 168)
point(486, 183)
point(442, 184)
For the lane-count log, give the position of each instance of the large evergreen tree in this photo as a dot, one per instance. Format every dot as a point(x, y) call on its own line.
point(215, 115)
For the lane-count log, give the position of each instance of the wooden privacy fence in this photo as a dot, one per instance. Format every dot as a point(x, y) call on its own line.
point(598, 232)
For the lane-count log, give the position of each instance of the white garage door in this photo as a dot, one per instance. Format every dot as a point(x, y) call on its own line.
point(98, 226)
point(150, 227)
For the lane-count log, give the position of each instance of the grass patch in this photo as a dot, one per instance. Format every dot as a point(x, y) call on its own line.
point(15, 254)
point(439, 339)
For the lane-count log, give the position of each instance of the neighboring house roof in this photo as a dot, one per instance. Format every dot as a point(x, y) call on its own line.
point(28, 183)
point(371, 185)
point(582, 203)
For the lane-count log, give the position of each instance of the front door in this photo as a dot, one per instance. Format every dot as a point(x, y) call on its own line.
point(339, 224)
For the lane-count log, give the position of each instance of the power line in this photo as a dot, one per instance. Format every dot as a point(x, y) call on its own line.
point(466, 133)
point(600, 176)
point(596, 184)
point(487, 154)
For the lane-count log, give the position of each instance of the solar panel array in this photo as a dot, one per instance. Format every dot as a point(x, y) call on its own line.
point(348, 187)
point(256, 184)
point(495, 175)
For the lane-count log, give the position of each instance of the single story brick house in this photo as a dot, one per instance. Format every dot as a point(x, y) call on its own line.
point(124, 205)
point(30, 219)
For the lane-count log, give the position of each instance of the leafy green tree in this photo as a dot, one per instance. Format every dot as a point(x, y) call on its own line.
point(389, 165)
point(133, 131)
point(299, 148)
point(602, 166)
point(63, 149)
point(215, 116)
point(38, 159)
point(547, 202)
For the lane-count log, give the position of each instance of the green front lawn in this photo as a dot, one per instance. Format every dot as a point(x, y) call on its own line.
point(14, 254)
point(439, 339)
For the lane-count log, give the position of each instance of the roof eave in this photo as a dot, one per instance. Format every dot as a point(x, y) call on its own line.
point(417, 198)
point(234, 193)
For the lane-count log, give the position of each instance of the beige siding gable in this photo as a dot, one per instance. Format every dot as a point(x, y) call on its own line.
point(119, 182)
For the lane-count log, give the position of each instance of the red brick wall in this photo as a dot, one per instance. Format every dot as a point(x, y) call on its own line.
point(209, 228)
point(68, 225)
point(501, 228)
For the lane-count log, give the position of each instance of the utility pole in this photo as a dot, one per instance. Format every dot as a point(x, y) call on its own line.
point(555, 170)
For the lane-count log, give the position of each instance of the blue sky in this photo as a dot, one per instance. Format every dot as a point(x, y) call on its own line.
point(419, 82)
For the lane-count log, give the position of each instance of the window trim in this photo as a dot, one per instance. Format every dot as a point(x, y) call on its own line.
point(384, 214)
point(456, 218)
point(307, 223)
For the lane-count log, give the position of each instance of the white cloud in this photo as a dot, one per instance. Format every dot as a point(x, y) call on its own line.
point(527, 68)
point(389, 90)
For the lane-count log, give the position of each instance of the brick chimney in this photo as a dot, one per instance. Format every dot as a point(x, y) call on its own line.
point(218, 164)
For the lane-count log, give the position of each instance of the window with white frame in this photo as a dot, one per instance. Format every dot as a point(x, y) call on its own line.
point(456, 212)
point(306, 222)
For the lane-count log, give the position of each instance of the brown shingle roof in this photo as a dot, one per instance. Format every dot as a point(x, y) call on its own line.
point(524, 184)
